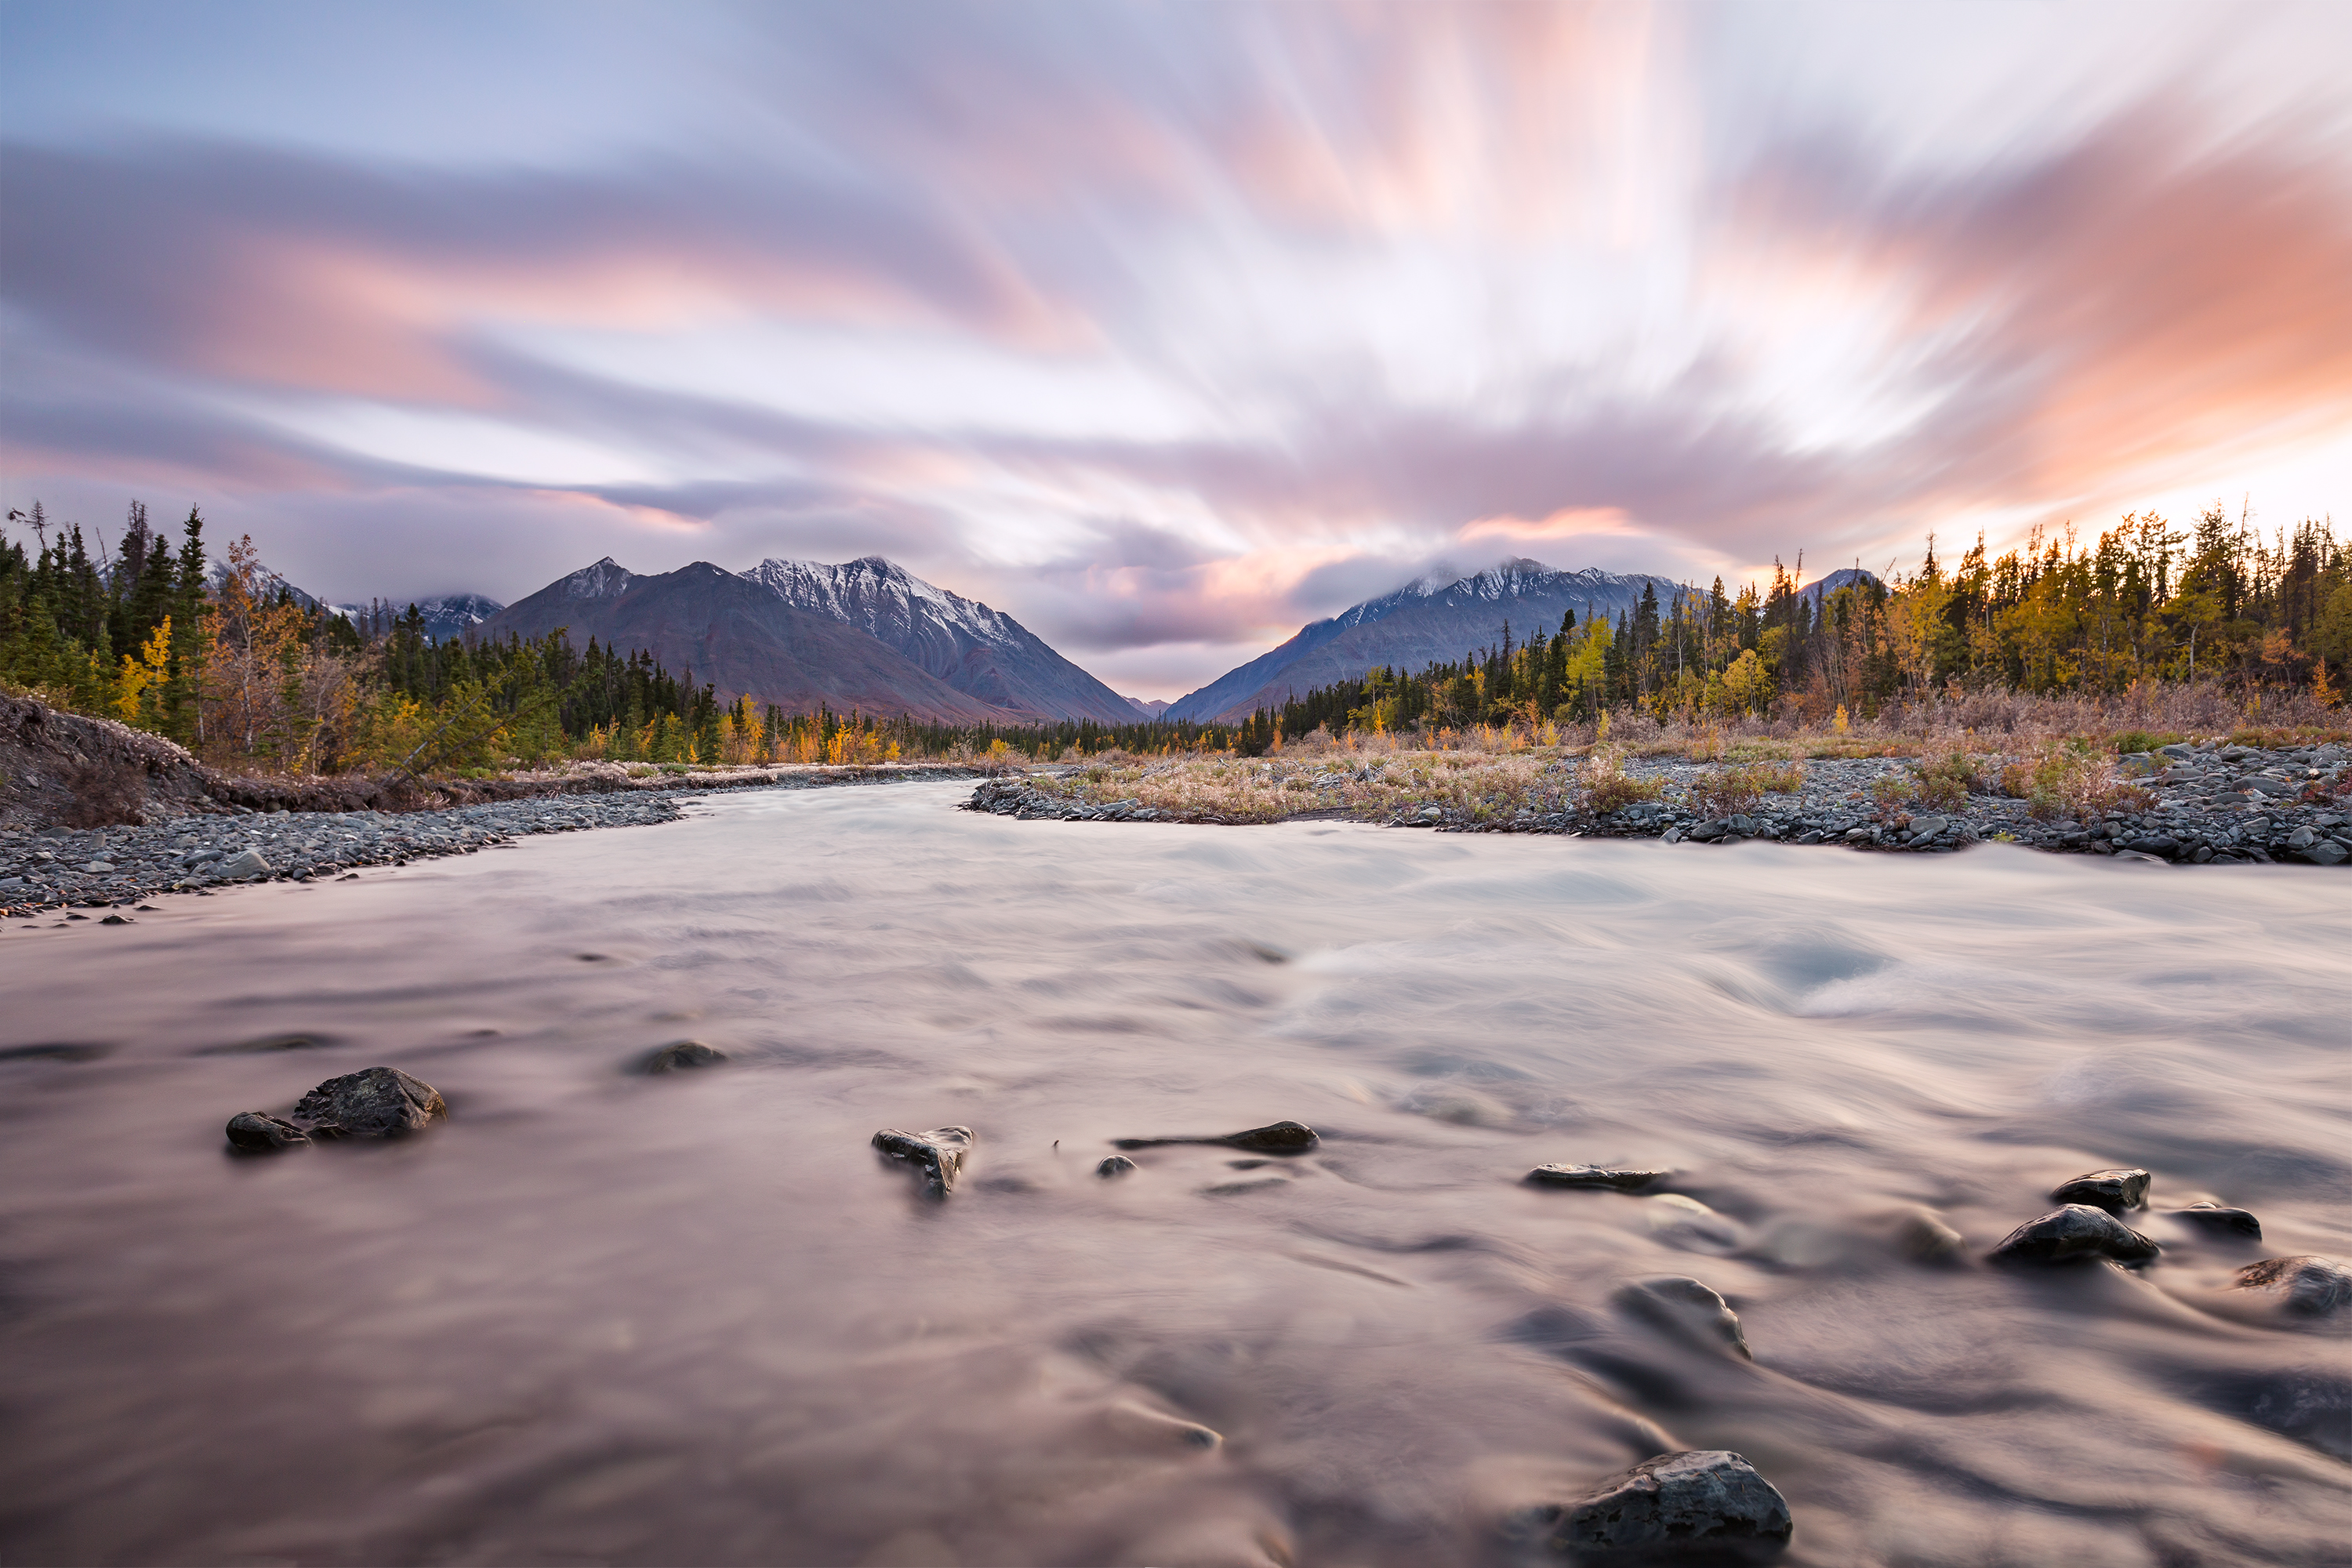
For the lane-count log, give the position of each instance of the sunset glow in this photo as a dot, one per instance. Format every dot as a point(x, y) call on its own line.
point(1166, 329)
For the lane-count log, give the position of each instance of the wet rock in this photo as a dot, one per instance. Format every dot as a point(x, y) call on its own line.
point(257, 1132)
point(379, 1102)
point(683, 1056)
point(2076, 1231)
point(118, 921)
point(1275, 1137)
point(1699, 1502)
point(1926, 1238)
point(2220, 1218)
point(2113, 1190)
point(936, 1156)
point(1593, 1176)
point(1687, 1309)
point(1689, 1223)
point(1113, 1166)
point(2306, 1286)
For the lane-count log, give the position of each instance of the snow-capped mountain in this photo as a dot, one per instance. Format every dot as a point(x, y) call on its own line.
point(973, 649)
point(867, 634)
point(1440, 616)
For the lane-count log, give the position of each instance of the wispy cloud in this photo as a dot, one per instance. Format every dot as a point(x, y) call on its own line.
point(1165, 331)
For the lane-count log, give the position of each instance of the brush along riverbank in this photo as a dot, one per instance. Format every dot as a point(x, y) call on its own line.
point(2189, 802)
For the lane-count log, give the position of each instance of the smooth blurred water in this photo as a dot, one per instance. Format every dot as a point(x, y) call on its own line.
point(599, 1317)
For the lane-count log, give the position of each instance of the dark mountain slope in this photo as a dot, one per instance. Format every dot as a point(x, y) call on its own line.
point(741, 637)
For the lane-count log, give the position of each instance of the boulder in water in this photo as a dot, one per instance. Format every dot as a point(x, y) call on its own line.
point(379, 1102)
point(1688, 1309)
point(2076, 1231)
point(1275, 1137)
point(2219, 1218)
point(1593, 1176)
point(2305, 1285)
point(937, 1157)
point(1705, 1501)
point(2113, 1190)
point(258, 1133)
point(1113, 1166)
point(683, 1056)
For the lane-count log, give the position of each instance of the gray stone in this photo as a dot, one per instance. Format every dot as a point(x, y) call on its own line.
point(1928, 827)
point(1708, 1499)
point(683, 1056)
point(378, 1102)
point(1275, 1137)
point(1688, 1309)
point(257, 1132)
point(2301, 838)
point(2305, 1285)
point(2327, 852)
point(249, 863)
point(2124, 1187)
point(937, 1157)
point(1593, 1176)
point(1113, 1166)
point(2220, 1218)
point(2076, 1231)
point(2163, 845)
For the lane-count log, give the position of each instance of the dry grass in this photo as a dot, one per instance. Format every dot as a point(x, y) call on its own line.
point(1723, 792)
point(2072, 780)
point(1475, 785)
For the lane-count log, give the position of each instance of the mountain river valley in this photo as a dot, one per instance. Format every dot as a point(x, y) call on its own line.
point(596, 1316)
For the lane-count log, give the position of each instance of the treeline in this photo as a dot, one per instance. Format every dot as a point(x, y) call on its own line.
point(229, 660)
point(2144, 604)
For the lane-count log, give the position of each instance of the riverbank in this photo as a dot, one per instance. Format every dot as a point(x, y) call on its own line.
point(119, 866)
point(2208, 803)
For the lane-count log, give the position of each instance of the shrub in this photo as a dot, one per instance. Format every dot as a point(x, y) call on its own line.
point(2072, 781)
point(1608, 787)
point(2126, 742)
point(1780, 778)
point(1943, 780)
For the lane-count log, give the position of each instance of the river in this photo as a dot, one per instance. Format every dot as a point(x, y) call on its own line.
point(601, 1317)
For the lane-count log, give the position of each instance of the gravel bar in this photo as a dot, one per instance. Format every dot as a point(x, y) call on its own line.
point(2215, 805)
point(61, 867)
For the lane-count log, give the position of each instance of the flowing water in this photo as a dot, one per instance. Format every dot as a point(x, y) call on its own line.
point(598, 1317)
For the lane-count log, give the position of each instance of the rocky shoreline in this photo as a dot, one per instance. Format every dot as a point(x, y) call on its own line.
point(57, 869)
point(2206, 804)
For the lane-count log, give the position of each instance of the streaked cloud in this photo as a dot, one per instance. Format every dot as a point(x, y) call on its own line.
point(1168, 330)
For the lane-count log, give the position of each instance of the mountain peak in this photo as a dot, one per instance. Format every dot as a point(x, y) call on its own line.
point(606, 579)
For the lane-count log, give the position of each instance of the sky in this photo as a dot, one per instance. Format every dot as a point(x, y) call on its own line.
point(1167, 327)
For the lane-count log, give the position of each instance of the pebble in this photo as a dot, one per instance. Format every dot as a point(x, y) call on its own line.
point(257, 1132)
point(1593, 1176)
point(1707, 1498)
point(2113, 1190)
point(1113, 1166)
point(936, 1156)
point(2076, 1231)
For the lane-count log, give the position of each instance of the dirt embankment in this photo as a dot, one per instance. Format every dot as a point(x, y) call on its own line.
point(60, 769)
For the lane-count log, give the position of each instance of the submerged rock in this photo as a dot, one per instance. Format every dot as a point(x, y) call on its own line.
point(2309, 1286)
point(1926, 1238)
point(937, 1156)
point(1275, 1137)
point(378, 1102)
point(257, 1132)
point(2113, 1190)
point(1113, 1166)
point(2076, 1231)
point(1593, 1176)
point(1704, 1500)
point(1688, 1309)
point(683, 1056)
point(2220, 1218)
